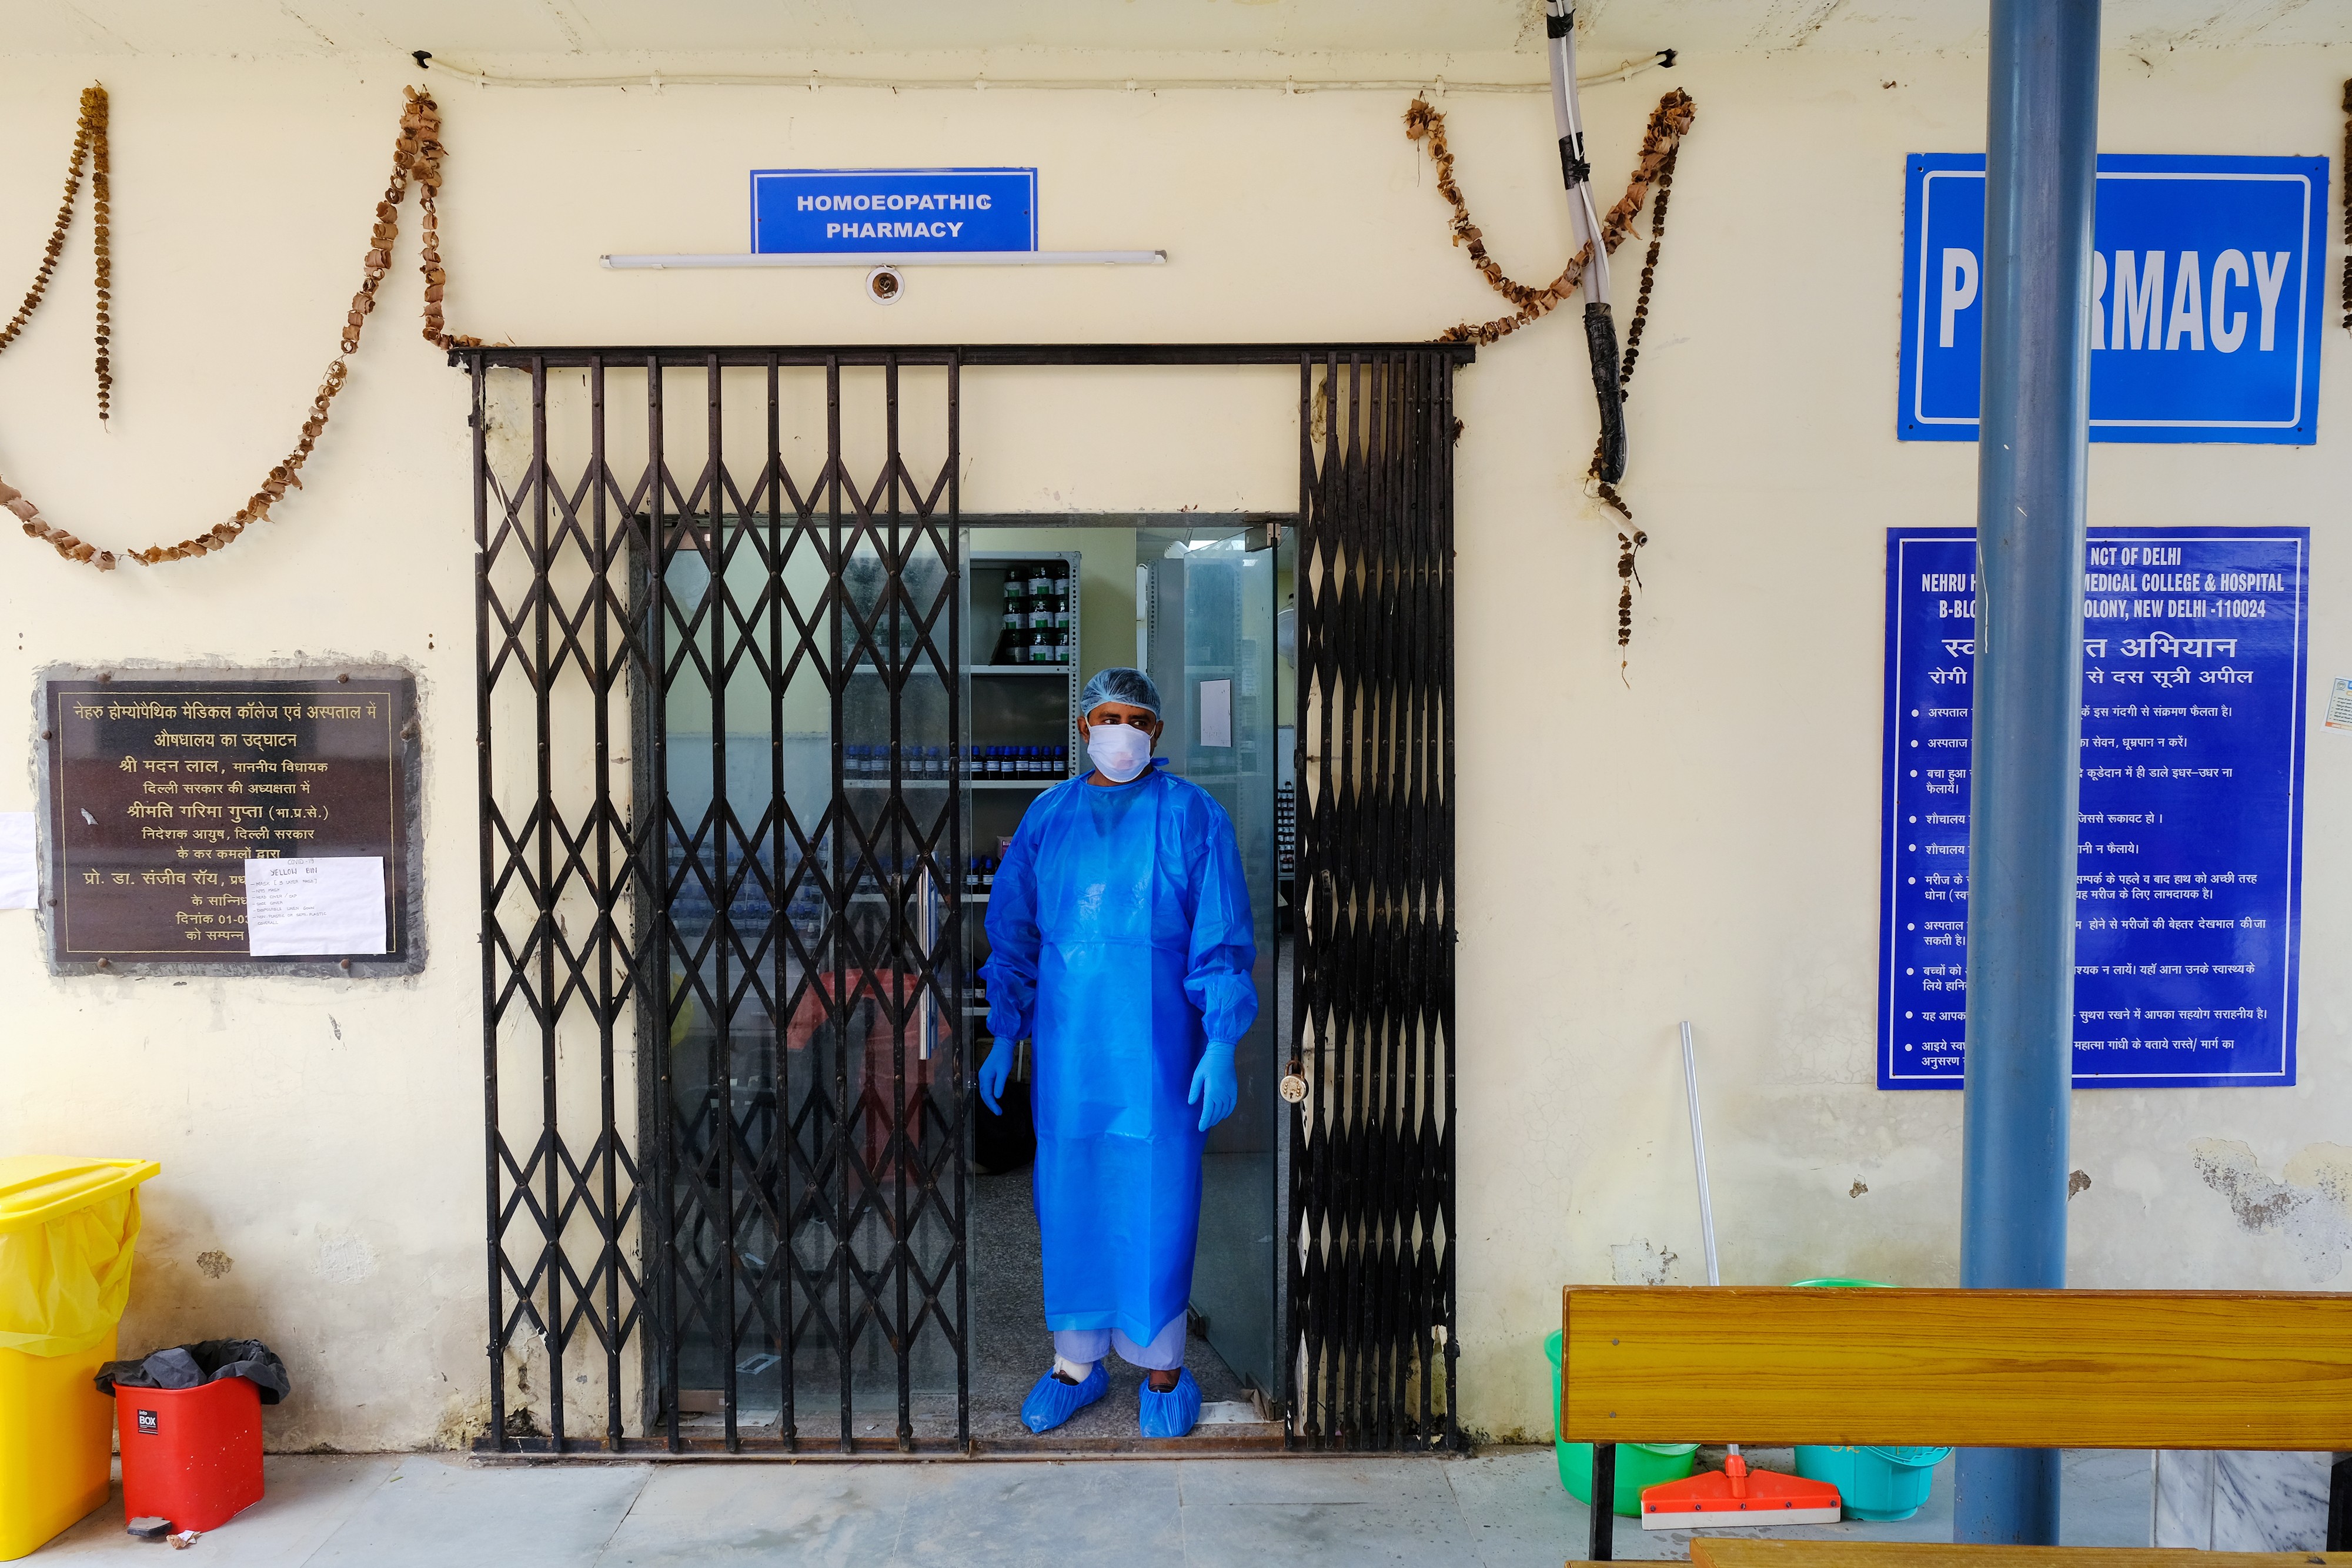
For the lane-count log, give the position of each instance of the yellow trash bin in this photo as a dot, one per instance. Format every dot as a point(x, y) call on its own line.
point(66, 1232)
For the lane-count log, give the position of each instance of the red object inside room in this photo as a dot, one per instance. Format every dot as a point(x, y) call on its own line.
point(190, 1455)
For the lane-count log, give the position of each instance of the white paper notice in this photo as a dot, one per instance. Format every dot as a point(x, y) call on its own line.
point(328, 906)
point(20, 875)
point(2339, 705)
point(1216, 713)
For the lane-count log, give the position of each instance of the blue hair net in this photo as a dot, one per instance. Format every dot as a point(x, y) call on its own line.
point(1119, 684)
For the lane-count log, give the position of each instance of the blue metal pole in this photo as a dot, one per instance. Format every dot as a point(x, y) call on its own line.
point(2040, 163)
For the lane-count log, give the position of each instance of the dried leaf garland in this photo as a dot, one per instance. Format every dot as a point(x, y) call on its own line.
point(416, 158)
point(1669, 123)
point(89, 148)
point(1629, 544)
point(1654, 169)
point(2347, 207)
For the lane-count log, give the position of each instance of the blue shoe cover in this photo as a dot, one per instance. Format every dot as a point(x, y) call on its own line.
point(1052, 1401)
point(1173, 1413)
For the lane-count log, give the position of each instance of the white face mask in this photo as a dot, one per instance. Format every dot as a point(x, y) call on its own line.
point(1121, 751)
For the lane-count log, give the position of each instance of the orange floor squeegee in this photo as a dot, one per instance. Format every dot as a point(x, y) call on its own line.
point(1735, 1495)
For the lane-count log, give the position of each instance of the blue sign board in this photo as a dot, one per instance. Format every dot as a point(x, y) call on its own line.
point(2189, 873)
point(830, 211)
point(2207, 294)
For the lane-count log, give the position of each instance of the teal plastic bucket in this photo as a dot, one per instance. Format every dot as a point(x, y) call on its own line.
point(1881, 1485)
point(1878, 1484)
point(1639, 1465)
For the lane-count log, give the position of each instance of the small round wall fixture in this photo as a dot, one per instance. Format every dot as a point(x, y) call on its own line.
point(883, 286)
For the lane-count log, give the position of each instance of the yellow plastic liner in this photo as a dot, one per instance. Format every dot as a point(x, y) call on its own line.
point(66, 1231)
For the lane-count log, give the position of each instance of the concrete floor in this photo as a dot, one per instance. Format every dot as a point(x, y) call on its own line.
point(1502, 1510)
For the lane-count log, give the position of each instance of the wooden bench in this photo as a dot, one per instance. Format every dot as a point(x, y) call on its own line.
point(2024, 1369)
point(1717, 1552)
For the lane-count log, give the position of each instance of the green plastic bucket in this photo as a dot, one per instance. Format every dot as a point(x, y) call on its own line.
point(1879, 1484)
point(1874, 1483)
point(1639, 1465)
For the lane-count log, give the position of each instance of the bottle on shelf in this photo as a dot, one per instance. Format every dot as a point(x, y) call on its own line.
point(1011, 642)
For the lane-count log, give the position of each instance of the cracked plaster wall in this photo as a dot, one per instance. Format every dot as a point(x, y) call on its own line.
point(1695, 840)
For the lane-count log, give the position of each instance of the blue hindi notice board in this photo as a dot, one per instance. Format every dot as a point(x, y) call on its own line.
point(2189, 864)
point(2208, 293)
point(807, 212)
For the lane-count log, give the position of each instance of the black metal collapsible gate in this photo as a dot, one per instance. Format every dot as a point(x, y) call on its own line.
point(717, 623)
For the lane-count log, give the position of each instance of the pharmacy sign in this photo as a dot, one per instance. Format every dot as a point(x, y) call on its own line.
point(2206, 295)
point(807, 212)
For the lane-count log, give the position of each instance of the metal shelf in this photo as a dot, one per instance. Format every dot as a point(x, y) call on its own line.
point(1066, 671)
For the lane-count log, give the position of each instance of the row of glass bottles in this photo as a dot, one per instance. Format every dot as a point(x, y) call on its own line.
point(939, 761)
point(1049, 646)
point(979, 875)
point(1037, 627)
point(913, 762)
point(1019, 761)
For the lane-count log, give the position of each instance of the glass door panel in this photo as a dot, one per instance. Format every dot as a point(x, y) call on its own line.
point(1209, 633)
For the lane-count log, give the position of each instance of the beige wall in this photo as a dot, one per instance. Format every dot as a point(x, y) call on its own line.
point(1697, 838)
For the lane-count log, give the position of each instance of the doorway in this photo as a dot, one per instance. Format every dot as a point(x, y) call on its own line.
point(1191, 598)
point(725, 682)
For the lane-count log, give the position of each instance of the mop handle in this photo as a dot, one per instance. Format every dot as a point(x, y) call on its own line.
point(1567, 124)
point(1735, 1465)
point(1698, 1153)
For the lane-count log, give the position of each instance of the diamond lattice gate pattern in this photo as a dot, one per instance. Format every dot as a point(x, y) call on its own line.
point(1372, 1144)
point(724, 1053)
point(718, 704)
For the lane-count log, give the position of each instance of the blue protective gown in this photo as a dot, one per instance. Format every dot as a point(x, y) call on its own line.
point(1120, 945)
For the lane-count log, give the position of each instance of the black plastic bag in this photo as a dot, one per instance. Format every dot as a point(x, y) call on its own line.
point(191, 1365)
point(1006, 1142)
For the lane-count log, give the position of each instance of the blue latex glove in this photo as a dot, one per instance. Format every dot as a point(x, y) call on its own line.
point(995, 1073)
point(1214, 1088)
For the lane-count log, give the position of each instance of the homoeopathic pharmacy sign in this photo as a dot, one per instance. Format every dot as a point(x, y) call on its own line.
point(2189, 869)
point(815, 211)
point(2206, 282)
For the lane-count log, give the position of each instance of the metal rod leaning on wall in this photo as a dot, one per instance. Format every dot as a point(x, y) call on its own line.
point(2031, 478)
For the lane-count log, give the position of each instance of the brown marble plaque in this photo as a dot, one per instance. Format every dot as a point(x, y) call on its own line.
point(158, 791)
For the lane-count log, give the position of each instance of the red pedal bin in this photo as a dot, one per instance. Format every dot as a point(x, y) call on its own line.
point(190, 1455)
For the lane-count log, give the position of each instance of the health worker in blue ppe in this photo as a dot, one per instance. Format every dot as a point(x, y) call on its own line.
point(1121, 947)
